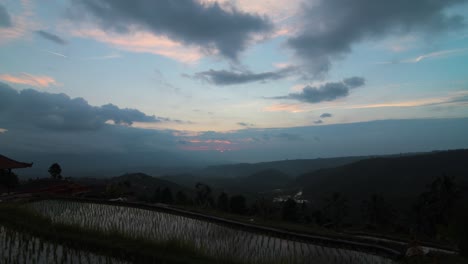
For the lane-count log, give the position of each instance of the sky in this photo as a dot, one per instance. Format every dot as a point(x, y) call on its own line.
point(233, 80)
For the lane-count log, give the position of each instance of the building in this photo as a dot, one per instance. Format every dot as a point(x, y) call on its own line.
point(9, 164)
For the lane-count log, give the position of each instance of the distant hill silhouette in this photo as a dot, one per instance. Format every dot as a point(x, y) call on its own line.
point(291, 167)
point(264, 180)
point(395, 177)
point(256, 177)
point(143, 184)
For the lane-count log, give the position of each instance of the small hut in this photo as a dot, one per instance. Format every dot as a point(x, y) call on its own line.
point(9, 164)
point(7, 178)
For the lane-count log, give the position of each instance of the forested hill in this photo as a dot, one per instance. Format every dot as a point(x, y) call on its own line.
point(291, 167)
point(405, 176)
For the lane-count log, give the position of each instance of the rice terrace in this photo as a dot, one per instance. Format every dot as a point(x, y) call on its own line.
point(234, 132)
point(219, 242)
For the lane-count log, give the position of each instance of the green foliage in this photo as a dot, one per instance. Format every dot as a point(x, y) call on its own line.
point(55, 171)
point(223, 202)
point(114, 190)
point(463, 245)
point(157, 196)
point(289, 211)
point(238, 204)
point(181, 198)
point(8, 179)
point(166, 196)
point(377, 212)
point(204, 195)
point(336, 209)
point(434, 207)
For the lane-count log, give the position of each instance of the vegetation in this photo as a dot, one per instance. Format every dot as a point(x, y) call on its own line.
point(55, 171)
point(208, 238)
point(8, 179)
point(73, 237)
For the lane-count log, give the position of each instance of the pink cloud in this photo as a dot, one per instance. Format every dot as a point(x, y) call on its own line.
point(292, 108)
point(209, 145)
point(144, 42)
point(22, 23)
point(28, 79)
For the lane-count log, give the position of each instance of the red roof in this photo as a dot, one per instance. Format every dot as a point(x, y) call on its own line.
point(7, 163)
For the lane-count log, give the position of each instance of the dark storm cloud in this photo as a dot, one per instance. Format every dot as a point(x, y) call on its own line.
point(189, 21)
point(224, 77)
point(60, 112)
point(327, 92)
point(332, 26)
point(51, 37)
point(326, 115)
point(5, 20)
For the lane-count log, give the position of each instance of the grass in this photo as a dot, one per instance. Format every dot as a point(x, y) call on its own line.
point(115, 245)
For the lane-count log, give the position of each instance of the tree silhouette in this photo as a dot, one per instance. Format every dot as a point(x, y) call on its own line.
point(336, 209)
point(166, 196)
point(181, 198)
point(377, 212)
point(463, 244)
point(263, 207)
point(238, 204)
point(55, 171)
point(157, 196)
point(223, 202)
point(204, 195)
point(289, 211)
point(434, 207)
point(8, 179)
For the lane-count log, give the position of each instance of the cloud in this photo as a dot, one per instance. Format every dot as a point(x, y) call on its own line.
point(244, 124)
point(143, 42)
point(224, 77)
point(56, 54)
point(458, 98)
point(289, 136)
point(326, 115)
point(292, 108)
point(29, 79)
point(51, 37)
point(21, 24)
point(318, 122)
point(186, 21)
point(60, 112)
point(5, 19)
point(431, 55)
point(331, 27)
point(326, 92)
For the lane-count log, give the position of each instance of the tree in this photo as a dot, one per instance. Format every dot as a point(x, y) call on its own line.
point(434, 207)
point(181, 198)
point(114, 190)
point(289, 211)
point(55, 171)
point(463, 245)
point(204, 198)
point(238, 204)
point(157, 196)
point(263, 207)
point(8, 179)
point(377, 212)
point(223, 202)
point(336, 209)
point(166, 196)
